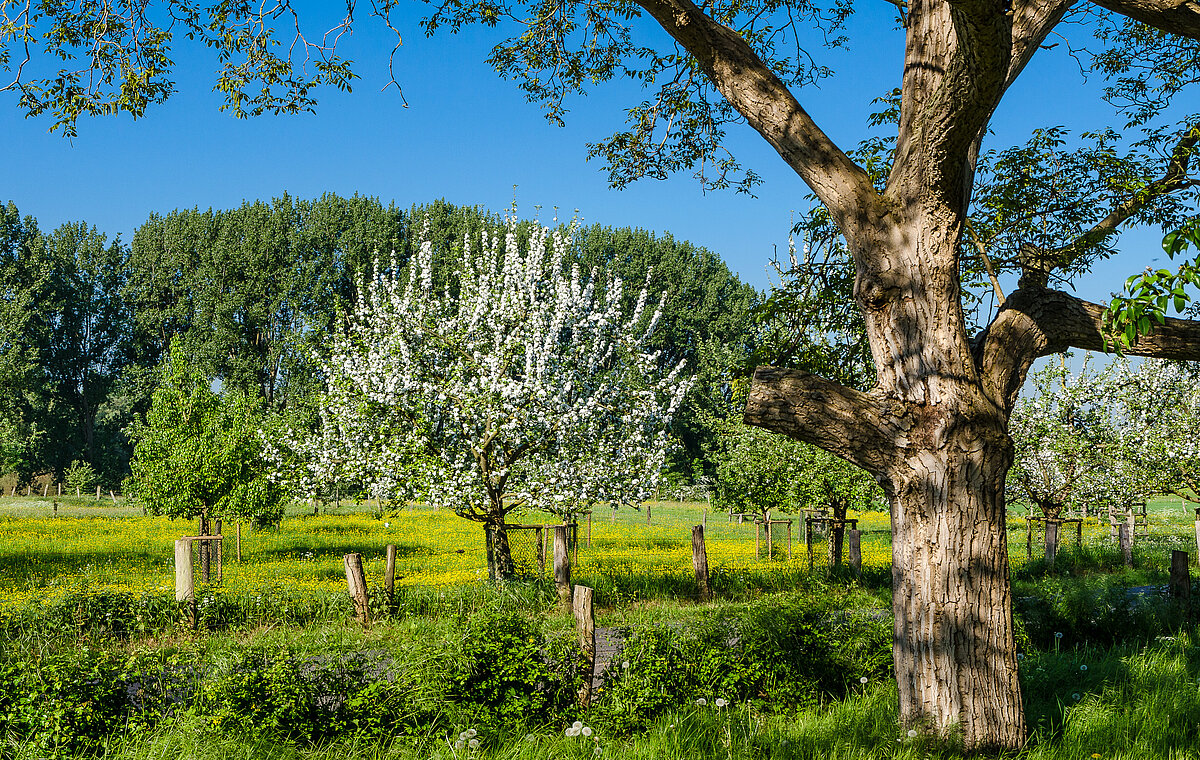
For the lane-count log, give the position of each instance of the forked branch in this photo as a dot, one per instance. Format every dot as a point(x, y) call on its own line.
point(1037, 321)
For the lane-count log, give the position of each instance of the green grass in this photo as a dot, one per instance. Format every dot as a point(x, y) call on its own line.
point(1134, 704)
point(1139, 696)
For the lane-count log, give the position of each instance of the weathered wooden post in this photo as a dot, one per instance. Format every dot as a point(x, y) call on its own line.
point(770, 545)
point(97, 493)
point(1125, 537)
point(202, 530)
point(540, 537)
point(585, 626)
point(808, 540)
point(700, 562)
point(220, 550)
point(1051, 542)
point(1028, 537)
point(1198, 534)
point(60, 489)
point(757, 550)
point(647, 513)
point(856, 552)
point(562, 566)
point(389, 579)
point(789, 534)
point(356, 582)
point(45, 489)
point(184, 586)
point(1181, 581)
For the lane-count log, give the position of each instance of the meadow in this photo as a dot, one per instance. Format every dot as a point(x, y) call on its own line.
point(94, 641)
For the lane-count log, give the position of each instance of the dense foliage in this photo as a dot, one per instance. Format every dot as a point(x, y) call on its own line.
point(199, 454)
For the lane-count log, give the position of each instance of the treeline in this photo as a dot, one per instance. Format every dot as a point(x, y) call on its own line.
point(248, 297)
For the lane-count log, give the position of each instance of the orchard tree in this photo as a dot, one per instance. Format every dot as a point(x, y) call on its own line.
point(933, 429)
point(1075, 446)
point(519, 384)
point(1164, 399)
point(198, 454)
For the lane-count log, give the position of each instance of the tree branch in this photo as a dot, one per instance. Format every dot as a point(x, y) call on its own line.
point(1176, 16)
point(1037, 321)
point(809, 408)
point(769, 106)
point(1039, 264)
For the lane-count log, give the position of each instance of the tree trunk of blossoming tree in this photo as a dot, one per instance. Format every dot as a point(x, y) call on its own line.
point(499, 552)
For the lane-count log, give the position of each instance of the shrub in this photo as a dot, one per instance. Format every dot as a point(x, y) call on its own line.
point(777, 654)
point(307, 699)
point(514, 676)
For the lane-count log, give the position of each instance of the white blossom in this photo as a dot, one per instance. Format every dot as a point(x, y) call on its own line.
point(519, 384)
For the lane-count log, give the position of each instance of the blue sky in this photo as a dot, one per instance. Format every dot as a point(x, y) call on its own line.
point(469, 137)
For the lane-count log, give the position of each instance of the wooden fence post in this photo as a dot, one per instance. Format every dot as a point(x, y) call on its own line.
point(45, 489)
point(789, 532)
point(1125, 537)
point(1028, 538)
point(1051, 542)
point(539, 536)
point(220, 551)
point(757, 550)
point(647, 513)
point(700, 562)
point(856, 552)
point(356, 582)
point(770, 547)
point(808, 540)
point(184, 585)
point(562, 566)
point(60, 489)
point(97, 493)
point(390, 579)
point(585, 625)
point(1181, 581)
point(1198, 535)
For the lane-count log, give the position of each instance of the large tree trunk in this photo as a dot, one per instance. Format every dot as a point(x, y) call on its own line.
point(954, 652)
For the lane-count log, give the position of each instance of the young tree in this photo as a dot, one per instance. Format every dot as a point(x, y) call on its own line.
point(199, 454)
point(761, 472)
point(933, 430)
point(520, 384)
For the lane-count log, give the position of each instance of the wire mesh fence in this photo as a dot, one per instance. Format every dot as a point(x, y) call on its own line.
point(531, 547)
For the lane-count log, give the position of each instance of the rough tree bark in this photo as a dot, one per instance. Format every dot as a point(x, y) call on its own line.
point(933, 431)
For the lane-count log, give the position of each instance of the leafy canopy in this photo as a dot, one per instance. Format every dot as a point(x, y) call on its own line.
point(199, 453)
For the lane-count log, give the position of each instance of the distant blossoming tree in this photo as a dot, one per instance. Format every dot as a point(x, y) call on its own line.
point(1075, 443)
point(1164, 401)
point(518, 384)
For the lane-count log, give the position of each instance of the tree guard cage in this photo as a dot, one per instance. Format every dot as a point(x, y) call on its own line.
point(530, 546)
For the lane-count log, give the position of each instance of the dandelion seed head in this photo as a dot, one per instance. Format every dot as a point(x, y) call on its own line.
point(912, 733)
